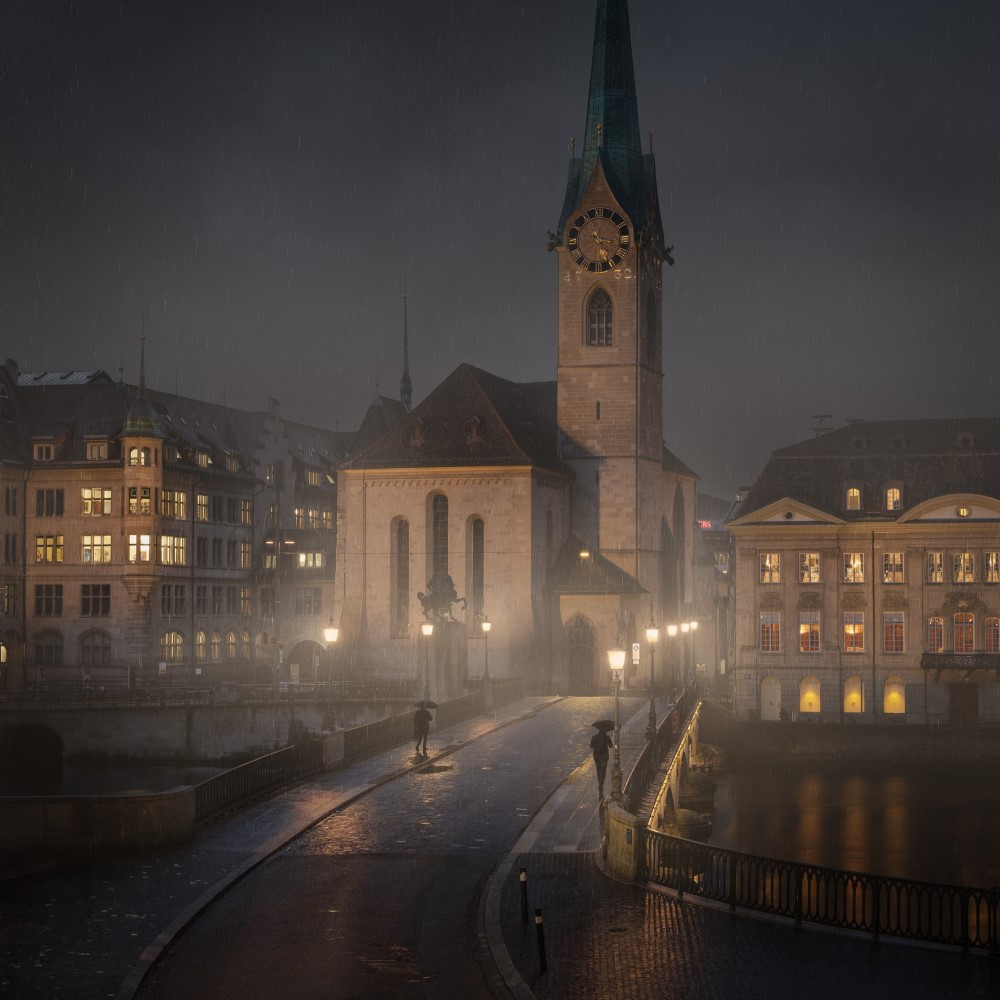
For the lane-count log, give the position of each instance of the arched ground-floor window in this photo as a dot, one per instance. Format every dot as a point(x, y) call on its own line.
point(172, 647)
point(894, 698)
point(854, 695)
point(809, 696)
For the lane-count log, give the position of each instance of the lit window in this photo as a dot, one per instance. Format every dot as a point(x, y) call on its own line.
point(246, 601)
point(892, 567)
point(894, 698)
point(246, 511)
point(600, 320)
point(140, 548)
point(95, 548)
point(173, 503)
point(201, 506)
point(854, 567)
point(202, 459)
point(245, 645)
point(139, 501)
point(246, 555)
point(935, 567)
point(95, 501)
point(965, 632)
point(809, 567)
point(892, 631)
point(200, 646)
point(770, 631)
point(853, 498)
point(172, 647)
point(991, 567)
point(854, 631)
point(300, 517)
point(809, 696)
point(173, 550)
point(312, 477)
point(770, 567)
point(991, 635)
point(327, 520)
point(808, 631)
point(216, 652)
point(853, 696)
point(964, 566)
point(893, 499)
point(935, 634)
point(49, 548)
point(230, 645)
point(310, 560)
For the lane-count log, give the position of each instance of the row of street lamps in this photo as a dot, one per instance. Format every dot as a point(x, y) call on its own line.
point(616, 660)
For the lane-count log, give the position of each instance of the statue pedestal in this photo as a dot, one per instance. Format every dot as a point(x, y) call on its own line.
point(449, 661)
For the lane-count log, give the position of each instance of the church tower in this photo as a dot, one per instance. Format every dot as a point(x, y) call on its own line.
point(611, 251)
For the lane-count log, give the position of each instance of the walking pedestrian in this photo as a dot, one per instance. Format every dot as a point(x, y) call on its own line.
point(421, 727)
point(600, 744)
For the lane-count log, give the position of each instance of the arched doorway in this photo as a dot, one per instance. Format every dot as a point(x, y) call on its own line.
point(580, 645)
point(304, 663)
point(770, 699)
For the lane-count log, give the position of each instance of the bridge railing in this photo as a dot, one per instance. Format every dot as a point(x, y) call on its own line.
point(957, 916)
point(651, 757)
point(256, 777)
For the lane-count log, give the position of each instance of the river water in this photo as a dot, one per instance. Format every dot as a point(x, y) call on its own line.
point(934, 822)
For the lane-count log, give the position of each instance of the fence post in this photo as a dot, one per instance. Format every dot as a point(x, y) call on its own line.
point(540, 936)
point(876, 908)
point(798, 894)
point(524, 896)
point(964, 897)
point(994, 903)
point(732, 881)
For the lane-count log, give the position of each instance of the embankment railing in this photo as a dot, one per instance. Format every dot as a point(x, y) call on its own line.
point(958, 916)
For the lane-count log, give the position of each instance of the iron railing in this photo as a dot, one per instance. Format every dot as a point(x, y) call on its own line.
point(256, 777)
point(957, 916)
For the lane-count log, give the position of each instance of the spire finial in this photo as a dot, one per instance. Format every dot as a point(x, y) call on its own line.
point(651, 142)
point(572, 147)
point(405, 385)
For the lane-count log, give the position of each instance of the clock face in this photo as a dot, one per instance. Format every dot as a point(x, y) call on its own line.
point(598, 239)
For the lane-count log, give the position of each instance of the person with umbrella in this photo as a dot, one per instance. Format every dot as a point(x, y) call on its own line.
point(422, 724)
point(600, 744)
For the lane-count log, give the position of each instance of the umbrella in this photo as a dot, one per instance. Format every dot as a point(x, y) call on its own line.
point(427, 703)
point(603, 725)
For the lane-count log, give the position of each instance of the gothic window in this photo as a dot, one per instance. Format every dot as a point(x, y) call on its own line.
point(600, 319)
point(172, 647)
point(478, 565)
point(200, 646)
point(439, 533)
point(399, 542)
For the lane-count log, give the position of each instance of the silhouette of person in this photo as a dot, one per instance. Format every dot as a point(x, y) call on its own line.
point(421, 727)
point(601, 743)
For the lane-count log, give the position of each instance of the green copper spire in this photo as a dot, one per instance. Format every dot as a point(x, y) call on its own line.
point(612, 110)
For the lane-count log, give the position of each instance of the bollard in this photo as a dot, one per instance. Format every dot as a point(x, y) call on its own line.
point(540, 934)
point(524, 897)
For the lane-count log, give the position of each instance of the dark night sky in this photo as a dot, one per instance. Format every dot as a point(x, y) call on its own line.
point(258, 178)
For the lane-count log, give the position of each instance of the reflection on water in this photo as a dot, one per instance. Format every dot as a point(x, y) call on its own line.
point(101, 778)
point(940, 823)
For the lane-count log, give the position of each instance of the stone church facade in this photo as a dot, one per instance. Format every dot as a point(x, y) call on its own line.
point(554, 508)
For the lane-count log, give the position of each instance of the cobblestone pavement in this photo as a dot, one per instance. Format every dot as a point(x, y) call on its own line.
point(605, 939)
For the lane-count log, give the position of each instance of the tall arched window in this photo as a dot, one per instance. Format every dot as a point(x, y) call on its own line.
point(894, 697)
point(245, 645)
point(600, 319)
point(809, 696)
point(439, 533)
point(477, 568)
point(399, 549)
point(230, 645)
point(965, 632)
point(854, 695)
point(172, 647)
point(935, 634)
point(200, 646)
point(652, 330)
point(216, 648)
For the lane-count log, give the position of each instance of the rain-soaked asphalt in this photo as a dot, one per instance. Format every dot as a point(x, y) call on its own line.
point(380, 899)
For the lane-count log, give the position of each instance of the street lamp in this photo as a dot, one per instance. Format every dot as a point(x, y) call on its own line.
point(427, 630)
point(652, 634)
point(693, 628)
point(331, 633)
point(486, 625)
point(685, 630)
point(616, 660)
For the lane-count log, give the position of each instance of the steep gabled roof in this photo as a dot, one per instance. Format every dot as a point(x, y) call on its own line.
point(473, 418)
point(591, 574)
point(926, 458)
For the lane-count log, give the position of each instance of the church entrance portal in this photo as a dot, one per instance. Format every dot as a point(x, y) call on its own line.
point(580, 655)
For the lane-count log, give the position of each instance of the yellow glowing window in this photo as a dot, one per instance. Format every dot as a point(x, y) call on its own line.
point(894, 699)
point(854, 701)
point(809, 695)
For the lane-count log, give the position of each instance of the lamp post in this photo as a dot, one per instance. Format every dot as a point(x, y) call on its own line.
point(486, 625)
point(693, 627)
point(616, 660)
point(652, 634)
point(685, 630)
point(427, 630)
point(331, 633)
